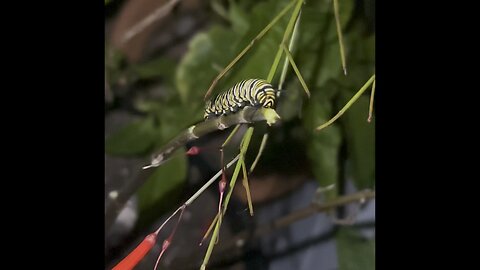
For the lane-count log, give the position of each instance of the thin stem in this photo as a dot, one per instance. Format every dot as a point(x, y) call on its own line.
point(370, 109)
point(290, 48)
point(245, 143)
point(231, 135)
point(210, 228)
point(259, 36)
point(231, 247)
point(172, 215)
point(299, 75)
point(340, 36)
point(167, 241)
point(260, 152)
point(247, 115)
point(247, 188)
point(206, 185)
point(315, 208)
point(151, 18)
point(350, 102)
point(287, 33)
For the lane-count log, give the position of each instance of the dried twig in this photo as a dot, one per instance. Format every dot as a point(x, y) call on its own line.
point(156, 15)
point(114, 204)
point(237, 242)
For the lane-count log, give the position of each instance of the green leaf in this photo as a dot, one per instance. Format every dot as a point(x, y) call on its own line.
point(135, 139)
point(204, 59)
point(291, 101)
point(355, 252)
point(159, 67)
point(318, 48)
point(345, 9)
point(161, 189)
point(319, 58)
point(322, 147)
point(239, 18)
point(210, 52)
point(361, 55)
point(114, 64)
point(360, 137)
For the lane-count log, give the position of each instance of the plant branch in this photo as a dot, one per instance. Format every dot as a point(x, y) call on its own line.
point(206, 185)
point(247, 115)
point(231, 135)
point(287, 33)
point(156, 15)
point(297, 71)
point(259, 36)
point(138, 253)
point(370, 109)
point(290, 48)
point(303, 213)
point(243, 149)
point(340, 37)
point(260, 152)
point(349, 103)
point(114, 204)
point(237, 242)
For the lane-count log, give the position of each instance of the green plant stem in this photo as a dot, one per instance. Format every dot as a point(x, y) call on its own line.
point(299, 75)
point(243, 150)
point(247, 188)
point(209, 182)
point(248, 134)
point(340, 36)
point(290, 48)
point(259, 36)
point(287, 33)
point(260, 152)
point(247, 115)
point(232, 248)
point(214, 222)
point(349, 103)
point(370, 109)
point(231, 135)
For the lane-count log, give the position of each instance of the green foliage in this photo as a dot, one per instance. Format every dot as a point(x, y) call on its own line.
point(135, 139)
point(318, 49)
point(322, 147)
point(355, 252)
point(239, 18)
point(201, 63)
point(159, 191)
point(360, 137)
point(209, 52)
point(114, 64)
point(154, 69)
point(317, 56)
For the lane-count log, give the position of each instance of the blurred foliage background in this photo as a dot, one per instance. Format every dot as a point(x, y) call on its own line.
point(160, 77)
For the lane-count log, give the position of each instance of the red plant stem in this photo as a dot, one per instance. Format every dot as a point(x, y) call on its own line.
point(165, 245)
point(167, 241)
point(221, 188)
point(143, 248)
point(195, 150)
point(137, 254)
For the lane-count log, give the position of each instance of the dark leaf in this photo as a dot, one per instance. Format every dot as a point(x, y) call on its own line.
point(323, 146)
point(135, 139)
point(160, 190)
point(360, 136)
point(354, 251)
